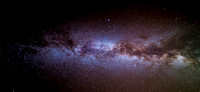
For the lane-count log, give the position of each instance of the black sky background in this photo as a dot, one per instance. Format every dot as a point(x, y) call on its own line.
point(22, 21)
point(25, 19)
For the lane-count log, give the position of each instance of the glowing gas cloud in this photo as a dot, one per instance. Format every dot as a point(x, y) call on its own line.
point(113, 50)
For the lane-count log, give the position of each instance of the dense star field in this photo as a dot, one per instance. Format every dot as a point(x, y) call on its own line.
point(131, 49)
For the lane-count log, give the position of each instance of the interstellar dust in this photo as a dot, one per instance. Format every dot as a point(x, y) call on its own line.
point(124, 50)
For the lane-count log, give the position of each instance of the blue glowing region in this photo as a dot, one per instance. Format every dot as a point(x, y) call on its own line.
point(104, 47)
point(108, 53)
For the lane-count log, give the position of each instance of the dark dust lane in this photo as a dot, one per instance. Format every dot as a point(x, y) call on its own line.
point(140, 49)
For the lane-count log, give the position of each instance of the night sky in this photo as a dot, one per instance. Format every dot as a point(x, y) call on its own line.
point(101, 46)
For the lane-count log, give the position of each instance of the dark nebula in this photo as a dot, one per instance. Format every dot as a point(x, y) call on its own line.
point(137, 48)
